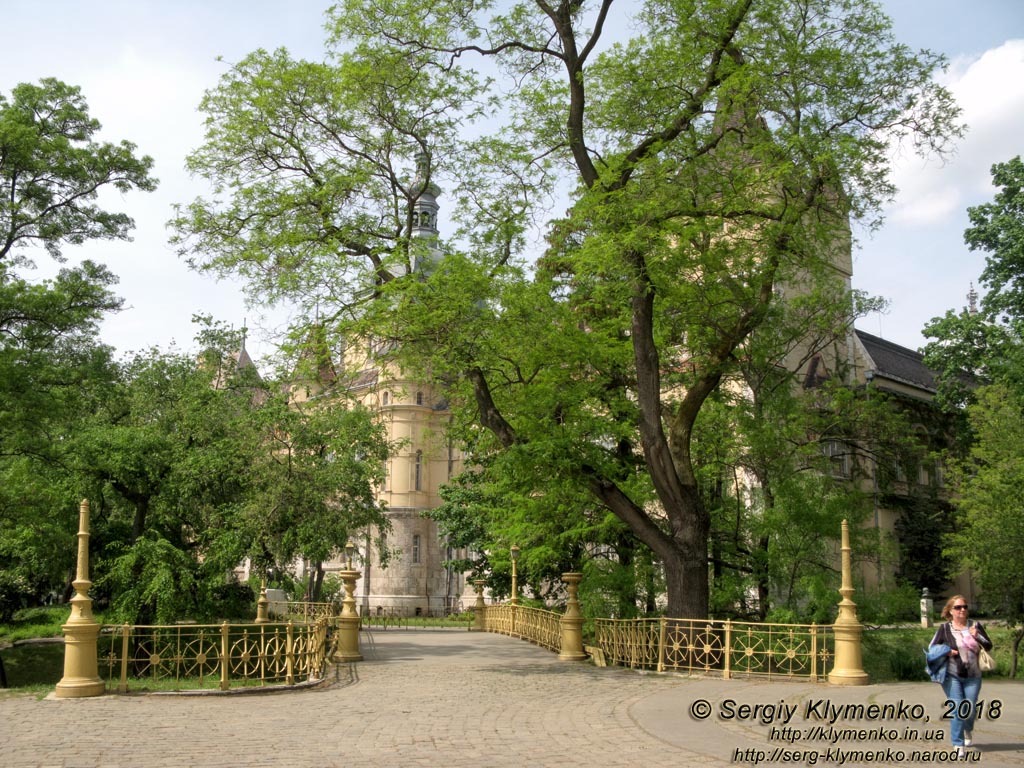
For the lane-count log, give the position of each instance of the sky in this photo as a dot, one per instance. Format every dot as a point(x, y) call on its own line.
point(143, 66)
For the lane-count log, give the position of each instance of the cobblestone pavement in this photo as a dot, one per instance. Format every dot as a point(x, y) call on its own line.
point(454, 699)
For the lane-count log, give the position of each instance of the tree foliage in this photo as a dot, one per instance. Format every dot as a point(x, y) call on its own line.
point(52, 170)
point(710, 159)
point(990, 535)
point(54, 372)
point(998, 228)
point(986, 346)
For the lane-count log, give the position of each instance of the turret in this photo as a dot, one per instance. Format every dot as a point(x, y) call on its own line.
point(424, 216)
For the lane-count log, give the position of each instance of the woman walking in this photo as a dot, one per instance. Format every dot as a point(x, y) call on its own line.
point(962, 682)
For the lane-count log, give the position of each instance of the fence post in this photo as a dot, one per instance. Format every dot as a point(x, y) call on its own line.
point(571, 624)
point(348, 622)
point(814, 652)
point(662, 629)
point(81, 633)
point(480, 607)
point(123, 684)
point(289, 655)
point(727, 669)
point(263, 605)
point(225, 661)
point(848, 669)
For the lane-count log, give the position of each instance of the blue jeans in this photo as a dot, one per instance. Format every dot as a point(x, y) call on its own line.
point(960, 689)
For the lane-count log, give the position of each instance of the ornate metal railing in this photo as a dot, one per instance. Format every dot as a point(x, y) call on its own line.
point(534, 624)
point(214, 655)
point(728, 648)
point(297, 610)
point(386, 621)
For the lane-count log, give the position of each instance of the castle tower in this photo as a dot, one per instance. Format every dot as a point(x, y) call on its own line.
point(414, 580)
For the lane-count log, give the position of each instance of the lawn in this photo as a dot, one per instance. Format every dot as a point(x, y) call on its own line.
point(892, 654)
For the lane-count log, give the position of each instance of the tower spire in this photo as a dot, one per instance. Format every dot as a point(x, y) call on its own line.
point(972, 300)
point(424, 214)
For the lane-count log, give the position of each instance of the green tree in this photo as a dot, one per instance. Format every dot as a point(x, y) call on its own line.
point(54, 371)
point(52, 170)
point(711, 158)
point(983, 353)
point(312, 483)
point(990, 535)
point(998, 229)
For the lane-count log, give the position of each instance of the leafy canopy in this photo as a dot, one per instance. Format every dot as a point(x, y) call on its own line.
point(709, 160)
point(52, 170)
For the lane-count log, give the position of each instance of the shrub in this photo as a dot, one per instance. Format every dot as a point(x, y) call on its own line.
point(891, 606)
point(13, 594)
point(235, 601)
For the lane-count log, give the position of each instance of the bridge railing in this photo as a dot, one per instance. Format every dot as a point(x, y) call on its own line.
point(726, 647)
point(537, 625)
point(220, 656)
point(306, 612)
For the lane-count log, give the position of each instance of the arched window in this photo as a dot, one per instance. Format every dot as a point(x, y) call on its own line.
point(385, 398)
point(417, 484)
point(416, 549)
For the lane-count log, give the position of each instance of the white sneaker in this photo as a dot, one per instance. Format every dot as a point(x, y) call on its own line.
point(968, 738)
point(961, 753)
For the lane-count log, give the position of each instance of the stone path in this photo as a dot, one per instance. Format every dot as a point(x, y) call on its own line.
point(458, 699)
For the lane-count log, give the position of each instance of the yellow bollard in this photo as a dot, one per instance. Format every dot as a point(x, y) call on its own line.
point(848, 669)
point(81, 667)
point(571, 624)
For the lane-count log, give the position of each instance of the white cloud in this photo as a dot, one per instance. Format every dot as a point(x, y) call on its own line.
point(990, 90)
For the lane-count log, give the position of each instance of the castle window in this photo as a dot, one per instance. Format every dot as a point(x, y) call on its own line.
point(419, 398)
point(838, 454)
point(417, 484)
point(385, 398)
point(416, 549)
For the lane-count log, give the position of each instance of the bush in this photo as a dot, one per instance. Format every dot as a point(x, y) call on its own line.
point(891, 606)
point(235, 601)
point(14, 592)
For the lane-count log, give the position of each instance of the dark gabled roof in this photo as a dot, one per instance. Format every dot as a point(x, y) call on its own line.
point(897, 363)
point(365, 378)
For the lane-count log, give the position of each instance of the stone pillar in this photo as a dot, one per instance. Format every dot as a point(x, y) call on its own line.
point(927, 607)
point(479, 608)
point(348, 622)
point(848, 669)
point(81, 667)
point(571, 624)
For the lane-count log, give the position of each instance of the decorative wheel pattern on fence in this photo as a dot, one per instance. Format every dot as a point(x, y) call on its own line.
point(154, 657)
point(750, 651)
point(789, 650)
point(200, 657)
point(791, 654)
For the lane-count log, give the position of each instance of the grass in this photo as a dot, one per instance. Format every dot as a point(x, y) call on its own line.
point(30, 623)
point(897, 654)
point(32, 665)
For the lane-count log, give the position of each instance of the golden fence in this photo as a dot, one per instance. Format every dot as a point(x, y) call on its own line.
point(214, 655)
point(298, 610)
point(534, 624)
point(728, 648)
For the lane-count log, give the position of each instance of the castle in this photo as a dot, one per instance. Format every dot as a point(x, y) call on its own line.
point(416, 579)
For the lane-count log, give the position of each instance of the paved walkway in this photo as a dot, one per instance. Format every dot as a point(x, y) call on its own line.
point(457, 699)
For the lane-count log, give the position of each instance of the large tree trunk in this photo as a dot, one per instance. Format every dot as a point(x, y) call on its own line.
point(686, 569)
